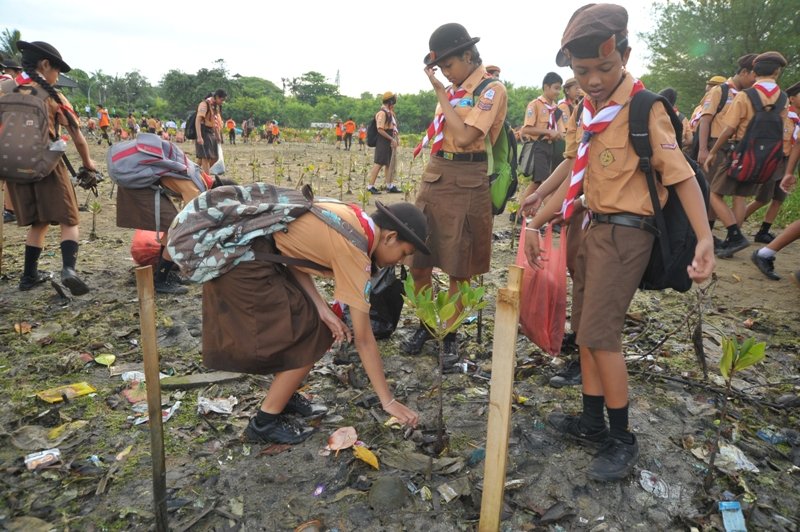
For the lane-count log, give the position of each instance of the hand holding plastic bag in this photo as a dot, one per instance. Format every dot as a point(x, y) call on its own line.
point(218, 168)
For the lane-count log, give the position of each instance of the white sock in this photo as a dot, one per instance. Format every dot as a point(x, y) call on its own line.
point(766, 253)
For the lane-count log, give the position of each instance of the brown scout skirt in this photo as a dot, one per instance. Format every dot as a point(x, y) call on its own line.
point(257, 319)
point(51, 200)
point(455, 198)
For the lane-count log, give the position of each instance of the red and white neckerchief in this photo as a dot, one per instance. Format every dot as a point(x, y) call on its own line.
point(592, 122)
point(767, 87)
point(435, 131)
point(696, 117)
point(793, 116)
point(551, 112)
point(366, 224)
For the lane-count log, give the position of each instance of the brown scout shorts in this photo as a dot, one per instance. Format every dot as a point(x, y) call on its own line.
point(771, 190)
point(608, 269)
point(257, 319)
point(207, 150)
point(455, 199)
point(723, 185)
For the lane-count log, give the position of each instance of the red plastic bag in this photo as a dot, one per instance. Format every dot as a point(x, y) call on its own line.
point(145, 248)
point(543, 295)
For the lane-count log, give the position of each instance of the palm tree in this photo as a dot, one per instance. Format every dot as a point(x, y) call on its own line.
point(8, 43)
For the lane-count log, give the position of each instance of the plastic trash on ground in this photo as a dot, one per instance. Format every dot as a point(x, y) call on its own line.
point(652, 484)
point(220, 405)
point(42, 459)
point(166, 414)
point(732, 517)
point(57, 394)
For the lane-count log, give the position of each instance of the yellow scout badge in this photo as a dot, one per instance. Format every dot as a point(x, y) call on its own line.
point(606, 157)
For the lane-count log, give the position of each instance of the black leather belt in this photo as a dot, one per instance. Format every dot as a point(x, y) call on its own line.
point(476, 157)
point(646, 223)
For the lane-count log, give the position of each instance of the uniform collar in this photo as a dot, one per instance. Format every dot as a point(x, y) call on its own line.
point(474, 79)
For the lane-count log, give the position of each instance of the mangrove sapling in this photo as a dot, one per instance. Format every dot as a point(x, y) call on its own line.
point(95, 207)
point(735, 357)
point(364, 197)
point(442, 314)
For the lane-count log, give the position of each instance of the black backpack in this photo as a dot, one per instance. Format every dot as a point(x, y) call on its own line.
point(674, 247)
point(723, 99)
point(191, 130)
point(758, 154)
point(372, 131)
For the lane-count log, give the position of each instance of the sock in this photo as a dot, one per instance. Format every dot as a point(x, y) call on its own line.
point(765, 228)
point(618, 423)
point(31, 268)
point(265, 418)
point(766, 253)
point(592, 418)
point(733, 231)
point(69, 253)
point(164, 267)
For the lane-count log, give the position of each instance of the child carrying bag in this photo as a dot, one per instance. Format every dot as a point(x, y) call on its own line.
point(543, 294)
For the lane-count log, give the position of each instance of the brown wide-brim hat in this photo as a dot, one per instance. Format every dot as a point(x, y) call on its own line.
point(43, 50)
point(409, 222)
point(599, 21)
point(447, 40)
point(492, 68)
point(775, 57)
point(716, 80)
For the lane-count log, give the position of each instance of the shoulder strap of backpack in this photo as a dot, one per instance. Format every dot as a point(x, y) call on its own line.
point(487, 140)
point(641, 103)
point(754, 99)
point(723, 99)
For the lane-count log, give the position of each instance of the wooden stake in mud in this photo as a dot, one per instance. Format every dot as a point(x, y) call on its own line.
point(3, 203)
point(147, 319)
point(502, 385)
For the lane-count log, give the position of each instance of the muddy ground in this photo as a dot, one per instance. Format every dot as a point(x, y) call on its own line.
point(218, 482)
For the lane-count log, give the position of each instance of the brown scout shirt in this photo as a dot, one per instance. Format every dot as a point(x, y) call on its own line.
point(487, 114)
point(741, 112)
point(209, 112)
point(310, 238)
point(613, 182)
point(537, 115)
point(710, 104)
point(390, 126)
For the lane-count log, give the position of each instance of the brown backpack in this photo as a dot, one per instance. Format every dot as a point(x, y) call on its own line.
point(25, 142)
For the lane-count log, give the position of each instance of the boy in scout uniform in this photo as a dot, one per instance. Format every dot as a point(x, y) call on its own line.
point(454, 193)
point(766, 67)
point(572, 95)
point(541, 127)
point(771, 191)
point(386, 145)
point(208, 124)
point(616, 247)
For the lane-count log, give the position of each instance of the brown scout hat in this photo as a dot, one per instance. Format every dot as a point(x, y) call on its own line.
point(447, 40)
point(492, 68)
point(746, 61)
point(388, 95)
point(607, 23)
point(43, 50)
point(408, 220)
point(774, 57)
point(569, 83)
point(716, 80)
point(793, 90)
point(10, 63)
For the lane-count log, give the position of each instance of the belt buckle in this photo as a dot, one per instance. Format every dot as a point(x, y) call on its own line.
point(447, 155)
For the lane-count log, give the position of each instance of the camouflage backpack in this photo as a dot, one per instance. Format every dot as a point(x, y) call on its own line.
point(214, 232)
point(25, 154)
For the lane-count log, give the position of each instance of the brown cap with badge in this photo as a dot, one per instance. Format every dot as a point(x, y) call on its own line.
point(598, 28)
point(570, 82)
point(774, 57)
point(794, 90)
point(447, 40)
point(493, 70)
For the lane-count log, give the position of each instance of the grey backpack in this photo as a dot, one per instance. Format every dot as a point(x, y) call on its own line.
point(25, 154)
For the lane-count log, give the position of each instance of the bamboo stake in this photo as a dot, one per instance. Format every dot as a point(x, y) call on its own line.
point(502, 385)
point(147, 318)
point(3, 203)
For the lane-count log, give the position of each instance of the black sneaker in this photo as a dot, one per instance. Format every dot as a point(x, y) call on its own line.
point(175, 277)
point(767, 266)
point(70, 279)
point(298, 404)
point(452, 362)
point(415, 344)
point(570, 427)
point(569, 376)
point(170, 287)
point(282, 430)
point(718, 243)
point(764, 237)
point(732, 245)
point(614, 460)
point(373, 190)
point(27, 282)
point(392, 189)
point(9, 216)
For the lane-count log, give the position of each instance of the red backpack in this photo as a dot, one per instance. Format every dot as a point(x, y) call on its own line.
point(757, 155)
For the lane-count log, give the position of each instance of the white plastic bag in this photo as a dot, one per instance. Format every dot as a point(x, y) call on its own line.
point(218, 168)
